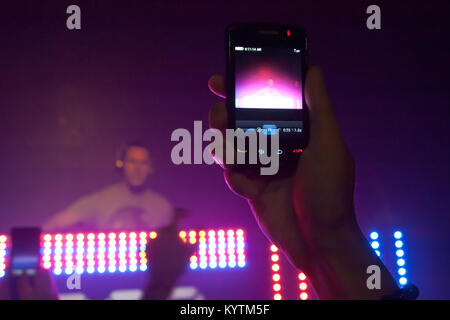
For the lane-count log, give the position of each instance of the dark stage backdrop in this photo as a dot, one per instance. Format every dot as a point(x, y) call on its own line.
point(139, 69)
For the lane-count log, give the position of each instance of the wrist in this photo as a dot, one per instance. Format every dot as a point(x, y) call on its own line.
point(338, 265)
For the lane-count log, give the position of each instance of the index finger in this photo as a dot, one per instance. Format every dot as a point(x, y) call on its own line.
point(217, 85)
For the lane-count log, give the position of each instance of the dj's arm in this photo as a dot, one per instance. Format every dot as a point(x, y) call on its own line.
point(80, 211)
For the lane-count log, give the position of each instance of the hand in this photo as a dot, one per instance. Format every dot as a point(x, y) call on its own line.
point(296, 212)
point(41, 287)
point(310, 214)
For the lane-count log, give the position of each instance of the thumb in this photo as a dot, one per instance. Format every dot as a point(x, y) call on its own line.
point(324, 128)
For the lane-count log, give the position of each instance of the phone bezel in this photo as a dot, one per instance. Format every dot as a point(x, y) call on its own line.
point(274, 35)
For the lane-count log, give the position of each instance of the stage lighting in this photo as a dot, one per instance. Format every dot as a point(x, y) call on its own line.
point(375, 242)
point(112, 252)
point(374, 235)
point(397, 234)
point(275, 276)
point(399, 243)
point(401, 257)
point(302, 286)
point(304, 296)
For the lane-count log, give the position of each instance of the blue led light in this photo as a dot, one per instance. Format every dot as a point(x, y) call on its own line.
point(375, 243)
point(400, 253)
point(143, 267)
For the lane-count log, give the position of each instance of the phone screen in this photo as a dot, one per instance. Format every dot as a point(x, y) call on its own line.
point(267, 87)
point(25, 252)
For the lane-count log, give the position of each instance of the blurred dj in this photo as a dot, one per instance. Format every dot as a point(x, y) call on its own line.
point(131, 205)
point(127, 205)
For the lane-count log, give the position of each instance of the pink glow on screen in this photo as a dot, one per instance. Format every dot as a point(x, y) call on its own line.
point(266, 88)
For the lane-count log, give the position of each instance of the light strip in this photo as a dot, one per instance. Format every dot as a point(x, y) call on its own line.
point(400, 253)
point(216, 248)
point(276, 276)
point(375, 242)
point(126, 251)
point(302, 286)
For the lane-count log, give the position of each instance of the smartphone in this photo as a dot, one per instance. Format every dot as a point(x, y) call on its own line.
point(25, 251)
point(265, 78)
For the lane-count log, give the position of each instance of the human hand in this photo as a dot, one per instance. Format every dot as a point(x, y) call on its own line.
point(301, 211)
point(310, 214)
point(37, 287)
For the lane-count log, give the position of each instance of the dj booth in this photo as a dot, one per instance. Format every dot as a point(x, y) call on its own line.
point(226, 264)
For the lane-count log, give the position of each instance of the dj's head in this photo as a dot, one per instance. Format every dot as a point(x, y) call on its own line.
point(134, 161)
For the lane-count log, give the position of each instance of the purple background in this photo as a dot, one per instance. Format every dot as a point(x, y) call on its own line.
point(140, 69)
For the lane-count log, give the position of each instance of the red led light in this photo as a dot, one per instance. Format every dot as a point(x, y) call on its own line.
point(303, 286)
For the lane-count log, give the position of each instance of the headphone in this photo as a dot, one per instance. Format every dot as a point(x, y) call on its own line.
point(120, 156)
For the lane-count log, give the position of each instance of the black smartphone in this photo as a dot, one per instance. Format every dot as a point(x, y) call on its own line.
point(25, 251)
point(265, 77)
